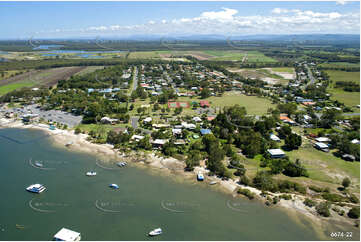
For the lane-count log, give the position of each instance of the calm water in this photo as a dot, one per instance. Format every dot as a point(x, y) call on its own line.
point(144, 201)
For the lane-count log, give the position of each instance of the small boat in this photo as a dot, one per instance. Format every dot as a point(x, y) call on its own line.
point(91, 173)
point(69, 144)
point(213, 183)
point(114, 186)
point(155, 232)
point(36, 188)
point(67, 235)
point(121, 164)
point(38, 164)
point(200, 176)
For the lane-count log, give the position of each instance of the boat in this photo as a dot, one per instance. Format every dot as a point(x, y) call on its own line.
point(36, 188)
point(38, 164)
point(155, 232)
point(213, 183)
point(67, 235)
point(69, 144)
point(121, 164)
point(114, 186)
point(200, 176)
point(91, 173)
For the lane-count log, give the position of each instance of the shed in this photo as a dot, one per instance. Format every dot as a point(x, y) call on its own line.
point(321, 146)
point(276, 153)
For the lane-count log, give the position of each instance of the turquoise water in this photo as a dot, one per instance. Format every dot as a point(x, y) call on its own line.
point(144, 201)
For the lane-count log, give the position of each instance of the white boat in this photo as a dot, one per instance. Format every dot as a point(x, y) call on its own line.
point(155, 232)
point(91, 173)
point(213, 183)
point(67, 235)
point(36, 188)
point(121, 164)
point(114, 186)
point(38, 164)
point(200, 176)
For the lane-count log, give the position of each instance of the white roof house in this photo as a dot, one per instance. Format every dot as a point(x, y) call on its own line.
point(177, 131)
point(276, 153)
point(147, 120)
point(137, 137)
point(321, 146)
point(159, 141)
point(355, 141)
point(67, 235)
point(274, 137)
point(197, 119)
point(188, 126)
point(322, 139)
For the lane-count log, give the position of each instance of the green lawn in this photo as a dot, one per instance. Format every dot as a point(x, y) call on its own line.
point(325, 167)
point(343, 76)
point(340, 64)
point(11, 87)
point(348, 98)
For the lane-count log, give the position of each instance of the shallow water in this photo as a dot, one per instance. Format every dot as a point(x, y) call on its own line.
point(143, 202)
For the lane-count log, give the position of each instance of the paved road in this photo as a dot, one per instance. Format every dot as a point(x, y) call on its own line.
point(310, 75)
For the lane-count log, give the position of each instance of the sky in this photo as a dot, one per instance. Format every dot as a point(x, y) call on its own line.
point(22, 20)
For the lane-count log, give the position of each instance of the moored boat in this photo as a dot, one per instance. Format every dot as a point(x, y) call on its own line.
point(67, 235)
point(155, 232)
point(200, 176)
point(121, 164)
point(91, 173)
point(114, 186)
point(36, 188)
point(38, 164)
point(213, 183)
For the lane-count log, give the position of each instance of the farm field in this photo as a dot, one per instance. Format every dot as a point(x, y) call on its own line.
point(348, 98)
point(340, 64)
point(283, 69)
point(148, 54)
point(89, 69)
point(47, 77)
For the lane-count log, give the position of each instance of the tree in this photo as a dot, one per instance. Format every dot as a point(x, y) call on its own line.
point(354, 212)
point(323, 209)
point(346, 182)
point(193, 159)
point(205, 93)
point(293, 141)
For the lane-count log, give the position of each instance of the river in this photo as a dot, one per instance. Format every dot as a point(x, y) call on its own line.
point(144, 201)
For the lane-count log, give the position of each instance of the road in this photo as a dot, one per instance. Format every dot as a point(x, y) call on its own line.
point(310, 75)
point(135, 79)
point(351, 114)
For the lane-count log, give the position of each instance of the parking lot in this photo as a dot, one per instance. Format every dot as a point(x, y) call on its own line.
point(51, 115)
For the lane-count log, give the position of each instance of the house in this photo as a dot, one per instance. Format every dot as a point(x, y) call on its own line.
point(147, 120)
point(137, 137)
point(30, 117)
point(321, 146)
point(179, 142)
point(275, 138)
point(355, 141)
point(276, 153)
point(205, 131)
point(322, 139)
point(348, 157)
point(188, 126)
point(210, 118)
point(120, 130)
point(197, 119)
point(158, 143)
point(177, 131)
point(286, 119)
point(158, 126)
point(204, 103)
point(107, 120)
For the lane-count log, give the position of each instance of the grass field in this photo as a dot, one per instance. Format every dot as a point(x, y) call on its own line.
point(11, 87)
point(283, 69)
point(340, 64)
point(148, 54)
point(348, 98)
point(236, 55)
point(344, 76)
point(325, 167)
point(89, 69)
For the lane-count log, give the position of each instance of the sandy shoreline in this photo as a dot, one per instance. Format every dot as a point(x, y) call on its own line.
point(79, 143)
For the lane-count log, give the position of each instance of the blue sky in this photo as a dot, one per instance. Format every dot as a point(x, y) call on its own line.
point(82, 19)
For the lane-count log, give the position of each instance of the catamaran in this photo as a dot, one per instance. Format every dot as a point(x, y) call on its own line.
point(36, 188)
point(121, 164)
point(91, 173)
point(155, 232)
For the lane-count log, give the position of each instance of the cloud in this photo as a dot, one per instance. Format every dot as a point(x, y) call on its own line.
point(228, 22)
